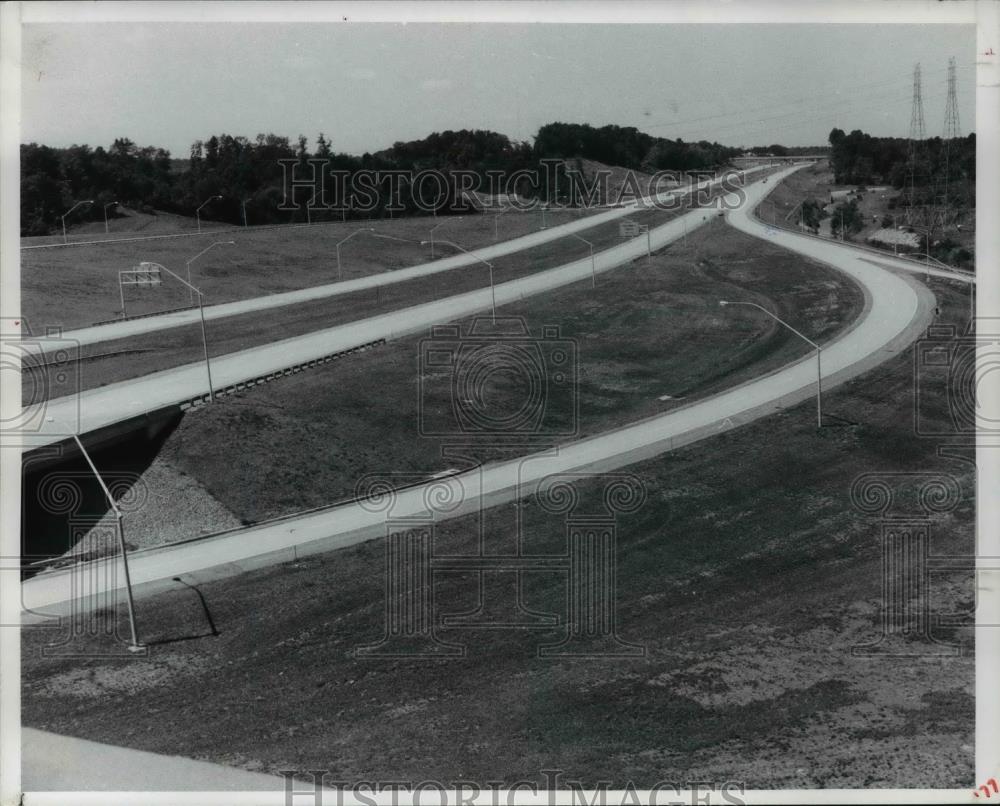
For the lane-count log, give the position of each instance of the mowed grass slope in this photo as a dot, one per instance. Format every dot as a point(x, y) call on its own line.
point(120, 359)
point(75, 286)
point(747, 576)
point(650, 330)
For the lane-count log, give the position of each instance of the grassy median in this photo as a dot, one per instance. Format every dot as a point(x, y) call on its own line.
point(649, 338)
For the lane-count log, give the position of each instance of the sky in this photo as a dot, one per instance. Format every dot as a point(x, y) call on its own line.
point(368, 85)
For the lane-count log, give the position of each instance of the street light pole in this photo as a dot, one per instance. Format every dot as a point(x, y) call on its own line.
point(819, 353)
point(106, 206)
point(201, 312)
point(192, 260)
point(120, 529)
point(70, 210)
point(593, 265)
point(340, 273)
point(493, 293)
point(436, 226)
point(197, 212)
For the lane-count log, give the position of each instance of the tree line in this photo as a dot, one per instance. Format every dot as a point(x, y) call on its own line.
point(860, 159)
point(252, 181)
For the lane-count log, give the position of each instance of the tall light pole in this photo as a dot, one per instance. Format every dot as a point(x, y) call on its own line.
point(309, 218)
point(197, 212)
point(120, 529)
point(340, 273)
point(493, 293)
point(819, 353)
point(593, 265)
point(243, 204)
point(201, 311)
point(436, 226)
point(70, 210)
point(496, 224)
point(192, 260)
point(106, 206)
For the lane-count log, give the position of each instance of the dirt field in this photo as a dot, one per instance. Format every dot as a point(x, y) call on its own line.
point(748, 577)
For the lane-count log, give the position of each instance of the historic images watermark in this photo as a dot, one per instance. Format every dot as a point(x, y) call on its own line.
point(319, 787)
point(313, 183)
point(496, 388)
point(915, 620)
point(497, 382)
point(588, 564)
point(948, 366)
point(907, 505)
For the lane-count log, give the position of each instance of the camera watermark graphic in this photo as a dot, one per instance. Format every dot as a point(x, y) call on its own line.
point(948, 368)
point(497, 382)
point(907, 506)
point(47, 370)
point(587, 564)
point(323, 788)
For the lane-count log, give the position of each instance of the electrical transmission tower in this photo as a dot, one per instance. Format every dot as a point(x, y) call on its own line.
point(917, 135)
point(952, 131)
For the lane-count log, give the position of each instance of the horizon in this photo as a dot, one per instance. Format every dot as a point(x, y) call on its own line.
point(402, 82)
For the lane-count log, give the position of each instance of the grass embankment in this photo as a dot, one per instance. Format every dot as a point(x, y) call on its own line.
point(648, 331)
point(78, 285)
point(120, 359)
point(747, 575)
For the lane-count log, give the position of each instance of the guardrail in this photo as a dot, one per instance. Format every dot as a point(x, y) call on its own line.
point(281, 373)
point(143, 315)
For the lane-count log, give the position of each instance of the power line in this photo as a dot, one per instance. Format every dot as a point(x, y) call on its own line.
point(786, 103)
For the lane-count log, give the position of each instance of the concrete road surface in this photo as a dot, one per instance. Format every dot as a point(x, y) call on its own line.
point(151, 324)
point(97, 408)
point(897, 310)
point(60, 764)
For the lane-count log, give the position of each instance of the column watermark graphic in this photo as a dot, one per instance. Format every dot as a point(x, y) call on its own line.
point(906, 506)
point(587, 566)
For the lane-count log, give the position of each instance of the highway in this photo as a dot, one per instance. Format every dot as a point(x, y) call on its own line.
point(151, 324)
point(104, 406)
point(898, 308)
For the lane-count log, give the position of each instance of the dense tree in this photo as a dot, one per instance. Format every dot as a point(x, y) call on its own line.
point(255, 174)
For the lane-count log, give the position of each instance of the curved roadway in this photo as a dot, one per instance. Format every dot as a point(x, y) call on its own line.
point(897, 310)
point(98, 408)
point(151, 324)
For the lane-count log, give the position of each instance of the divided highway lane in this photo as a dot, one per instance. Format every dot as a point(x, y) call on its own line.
point(897, 310)
point(107, 405)
point(151, 324)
